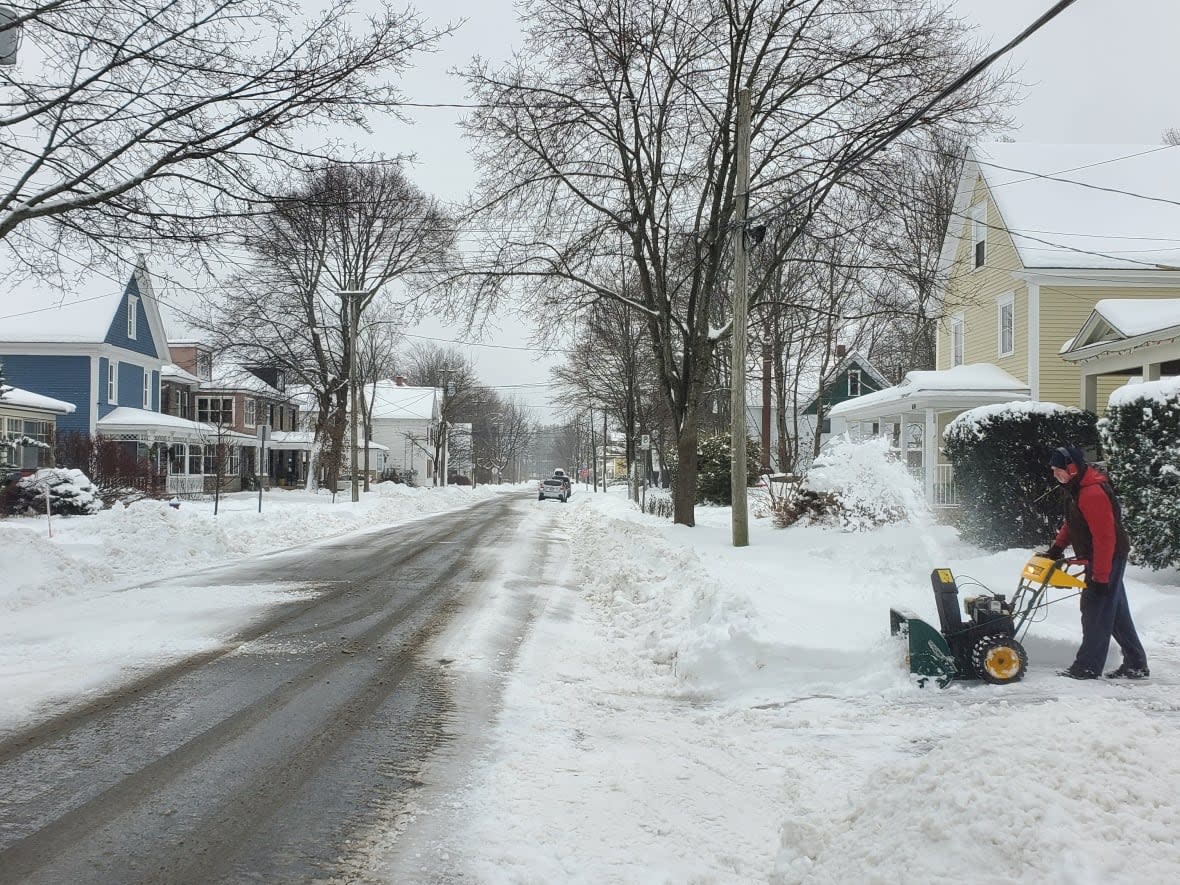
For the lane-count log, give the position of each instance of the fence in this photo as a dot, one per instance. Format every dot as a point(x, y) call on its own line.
point(946, 493)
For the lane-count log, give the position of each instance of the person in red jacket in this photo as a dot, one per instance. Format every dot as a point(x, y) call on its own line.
point(1094, 527)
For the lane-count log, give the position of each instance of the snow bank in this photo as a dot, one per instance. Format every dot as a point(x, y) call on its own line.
point(149, 539)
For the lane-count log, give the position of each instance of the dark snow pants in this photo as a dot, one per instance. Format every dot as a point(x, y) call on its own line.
point(1106, 616)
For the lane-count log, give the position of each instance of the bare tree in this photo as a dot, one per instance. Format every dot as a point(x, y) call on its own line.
point(446, 368)
point(619, 120)
point(377, 359)
point(131, 120)
point(345, 232)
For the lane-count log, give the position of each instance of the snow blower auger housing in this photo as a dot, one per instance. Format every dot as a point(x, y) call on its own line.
point(985, 646)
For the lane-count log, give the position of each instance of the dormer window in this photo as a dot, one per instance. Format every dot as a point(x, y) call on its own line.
point(979, 234)
point(854, 382)
point(132, 316)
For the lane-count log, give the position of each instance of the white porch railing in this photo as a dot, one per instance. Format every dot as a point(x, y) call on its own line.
point(946, 493)
point(186, 484)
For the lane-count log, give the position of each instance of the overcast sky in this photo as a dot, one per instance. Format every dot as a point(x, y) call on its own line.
point(1102, 71)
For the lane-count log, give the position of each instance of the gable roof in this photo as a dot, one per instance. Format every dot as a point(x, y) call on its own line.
point(1096, 206)
point(79, 310)
point(392, 402)
point(1124, 323)
point(844, 365)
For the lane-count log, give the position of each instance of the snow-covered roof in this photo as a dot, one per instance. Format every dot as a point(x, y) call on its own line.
point(26, 399)
point(964, 386)
point(1119, 324)
point(75, 310)
point(125, 419)
point(1083, 205)
point(173, 372)
point(236, 377)
point(393, 402)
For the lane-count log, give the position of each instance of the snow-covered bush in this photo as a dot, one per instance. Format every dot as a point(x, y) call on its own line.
point(70, 493)
point(713, 457)
point(658, 502)
point(1000, 455)
point(1141, 439)
point(857, 486)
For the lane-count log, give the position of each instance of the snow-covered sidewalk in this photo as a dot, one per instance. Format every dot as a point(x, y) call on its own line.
point(688, 712)
point(75, 616)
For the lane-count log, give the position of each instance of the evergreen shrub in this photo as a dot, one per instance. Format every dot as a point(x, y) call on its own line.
point(1141, 439)
point(713, 457)
point(1000, 455)
point(70, 493)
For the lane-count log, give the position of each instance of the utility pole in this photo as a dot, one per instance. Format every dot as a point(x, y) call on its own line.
point(737, 393)
point(353, 297)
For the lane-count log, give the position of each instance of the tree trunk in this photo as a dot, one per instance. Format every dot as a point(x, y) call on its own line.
point(684, 489)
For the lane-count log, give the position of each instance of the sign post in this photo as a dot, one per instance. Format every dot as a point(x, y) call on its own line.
point(263, 432)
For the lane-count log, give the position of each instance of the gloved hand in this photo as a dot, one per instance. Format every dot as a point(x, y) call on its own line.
point(1053, 552)
point(1098, 588)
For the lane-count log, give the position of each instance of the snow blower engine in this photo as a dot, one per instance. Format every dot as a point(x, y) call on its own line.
point(986, 645)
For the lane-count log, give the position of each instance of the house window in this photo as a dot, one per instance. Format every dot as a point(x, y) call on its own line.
point(147, 389)
point(251, 411)
point(113, 383)
point(194, 460)
point(9, 452)
point(215, 409)
point(957, 340)
point(979, 234)
point(1007, 324)
point(854, 382)
point(132, 316)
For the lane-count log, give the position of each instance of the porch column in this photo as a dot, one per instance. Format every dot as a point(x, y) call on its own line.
point(1151, 372)
point(930, 455)
point(1089, 392)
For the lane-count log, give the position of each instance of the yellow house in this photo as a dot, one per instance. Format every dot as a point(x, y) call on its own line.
point(1038, 235)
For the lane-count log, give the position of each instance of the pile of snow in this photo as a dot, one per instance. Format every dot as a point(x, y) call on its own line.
point(872, 486)
point(1163, 391)
point(149, 539)
point(975, 422)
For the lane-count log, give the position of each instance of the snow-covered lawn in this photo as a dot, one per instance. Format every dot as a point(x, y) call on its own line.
point(75, 616)
point(689, 712)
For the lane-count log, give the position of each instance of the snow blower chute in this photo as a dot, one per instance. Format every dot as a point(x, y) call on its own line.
point(985, 646)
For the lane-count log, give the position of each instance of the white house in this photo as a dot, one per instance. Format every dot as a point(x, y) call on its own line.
point(406, 421)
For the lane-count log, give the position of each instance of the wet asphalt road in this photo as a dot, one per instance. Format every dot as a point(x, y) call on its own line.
point(259, 761)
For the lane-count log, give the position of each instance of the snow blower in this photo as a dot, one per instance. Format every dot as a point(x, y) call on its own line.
point(987, 645)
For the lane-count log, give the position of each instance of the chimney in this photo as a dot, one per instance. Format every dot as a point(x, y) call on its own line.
point(841, 351)
point(399, 380)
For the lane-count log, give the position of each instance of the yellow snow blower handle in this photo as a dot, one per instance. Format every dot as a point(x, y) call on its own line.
point(1054, 573)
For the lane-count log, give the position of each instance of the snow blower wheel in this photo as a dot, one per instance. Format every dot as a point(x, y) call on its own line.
point(999, 660)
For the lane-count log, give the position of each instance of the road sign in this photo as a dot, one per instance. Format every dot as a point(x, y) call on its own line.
point(645, 441)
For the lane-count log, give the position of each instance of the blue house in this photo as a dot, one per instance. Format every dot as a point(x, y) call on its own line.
point(102, 347)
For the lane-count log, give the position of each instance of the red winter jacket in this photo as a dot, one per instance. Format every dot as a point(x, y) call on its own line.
point(1092, 524)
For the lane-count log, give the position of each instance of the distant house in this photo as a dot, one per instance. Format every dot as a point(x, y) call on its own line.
point(406, 421)
point(242, 398)
point(101, 347)
point(853, 377)
point(27, 428)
